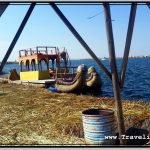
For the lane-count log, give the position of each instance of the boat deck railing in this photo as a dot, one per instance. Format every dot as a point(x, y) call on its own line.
point(66, 73)
point(45, 50)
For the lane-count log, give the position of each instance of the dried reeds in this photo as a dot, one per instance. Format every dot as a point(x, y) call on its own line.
point(32, 115)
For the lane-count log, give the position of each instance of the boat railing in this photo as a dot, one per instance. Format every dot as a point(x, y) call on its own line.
point(47, 50)
point(65, 73)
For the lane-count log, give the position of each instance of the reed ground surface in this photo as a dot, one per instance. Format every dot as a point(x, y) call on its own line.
point(36, 116)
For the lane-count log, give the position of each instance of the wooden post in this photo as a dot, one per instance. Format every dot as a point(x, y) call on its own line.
point(13, 43)
point(115, 80)
point(46, 50)
point(3, 7)
point(148, 4)
point(128, 43)
point(31, 51)
point(37, 51)
point(79, 38)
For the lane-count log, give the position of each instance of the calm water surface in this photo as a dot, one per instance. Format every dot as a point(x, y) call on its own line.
point(137, 80)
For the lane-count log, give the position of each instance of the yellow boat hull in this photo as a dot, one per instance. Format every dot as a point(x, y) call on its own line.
point(34, 75)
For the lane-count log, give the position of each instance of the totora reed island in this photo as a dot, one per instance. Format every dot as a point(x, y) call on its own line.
point(74, 74)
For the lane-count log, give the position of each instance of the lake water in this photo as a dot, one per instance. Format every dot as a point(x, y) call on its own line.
point(137, 80)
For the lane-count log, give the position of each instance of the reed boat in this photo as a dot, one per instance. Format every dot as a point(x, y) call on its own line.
point(40, 63)
point(47, 65)
point(78, 83)
point(94, 81)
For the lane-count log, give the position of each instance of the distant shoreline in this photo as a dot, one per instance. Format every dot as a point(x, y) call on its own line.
point(16, 62)
point(116, 57)
point(11, 62)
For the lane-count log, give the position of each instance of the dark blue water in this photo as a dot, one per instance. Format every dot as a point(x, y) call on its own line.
point(137, 80)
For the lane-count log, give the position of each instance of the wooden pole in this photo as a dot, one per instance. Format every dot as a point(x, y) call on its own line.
point(79, 38)
point(115, 80)
point(128, 42)
point(3, 7)
point(148, 4)
point(13, 43)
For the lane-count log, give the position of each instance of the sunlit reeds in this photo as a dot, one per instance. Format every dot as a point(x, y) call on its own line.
point(32, 115)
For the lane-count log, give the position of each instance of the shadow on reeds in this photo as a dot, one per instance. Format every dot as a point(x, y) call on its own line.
point(139, 136)
point(142, 128)
point(89, 92)
point(2, 93)
point(135, 136)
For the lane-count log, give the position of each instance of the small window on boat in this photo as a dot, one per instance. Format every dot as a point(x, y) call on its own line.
point(27, 65)
point(33, 65)
point(43, 65)
point(22, 66)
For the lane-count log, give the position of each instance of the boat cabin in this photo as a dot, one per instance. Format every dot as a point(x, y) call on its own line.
point(43, 62)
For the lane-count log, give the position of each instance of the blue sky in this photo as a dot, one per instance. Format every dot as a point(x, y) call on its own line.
point(45, 28)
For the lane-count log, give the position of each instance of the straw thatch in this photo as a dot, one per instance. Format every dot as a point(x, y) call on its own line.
point(32, 115)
